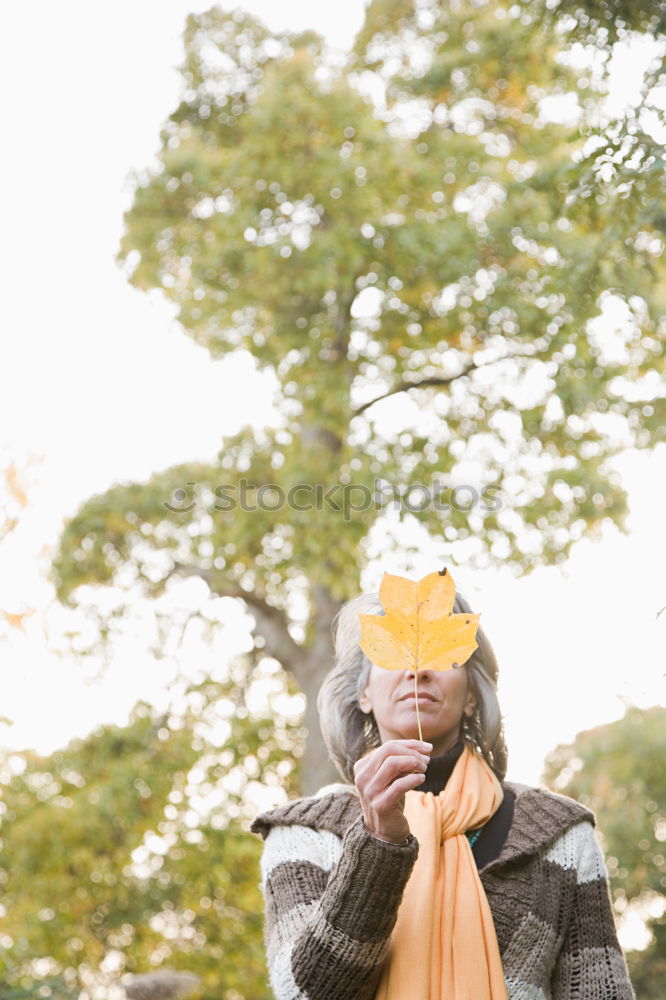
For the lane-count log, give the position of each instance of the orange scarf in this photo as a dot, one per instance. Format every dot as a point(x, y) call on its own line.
point(444, 945)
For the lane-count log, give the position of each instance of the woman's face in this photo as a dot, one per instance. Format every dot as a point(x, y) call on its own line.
point(389, 694)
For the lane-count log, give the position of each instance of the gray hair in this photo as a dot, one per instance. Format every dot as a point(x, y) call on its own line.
point(349, 732)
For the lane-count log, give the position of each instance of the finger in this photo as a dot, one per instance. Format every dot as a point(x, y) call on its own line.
point(379, 772)
point(401, 747)
point(388, 800)
point(394, 768)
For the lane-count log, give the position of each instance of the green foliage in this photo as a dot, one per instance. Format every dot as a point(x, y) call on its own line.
point(53, 987)
point(282, 194)
point(135, 842)
point(618, 771)
point(606, 21)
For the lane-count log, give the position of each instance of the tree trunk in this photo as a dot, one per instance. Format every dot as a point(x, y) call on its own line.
point(316, 767)
point(308, 663)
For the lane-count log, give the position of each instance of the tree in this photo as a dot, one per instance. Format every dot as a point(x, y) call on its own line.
point(617, 770)
point(452, 247)
point(131, 848)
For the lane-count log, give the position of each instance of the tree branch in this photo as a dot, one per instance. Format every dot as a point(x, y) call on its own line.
point(270, 622)
point(438, 380)
point(404, 385)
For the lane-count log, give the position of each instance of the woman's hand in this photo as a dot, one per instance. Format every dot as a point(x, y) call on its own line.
point(382, 777)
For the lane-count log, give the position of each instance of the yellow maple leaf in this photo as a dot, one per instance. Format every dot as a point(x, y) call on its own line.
point(418, 630)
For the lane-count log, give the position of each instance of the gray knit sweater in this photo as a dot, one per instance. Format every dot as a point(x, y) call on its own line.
point(332, 892)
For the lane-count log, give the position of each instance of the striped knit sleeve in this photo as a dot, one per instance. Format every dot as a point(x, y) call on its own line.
point(330, 907)
point(590, 964)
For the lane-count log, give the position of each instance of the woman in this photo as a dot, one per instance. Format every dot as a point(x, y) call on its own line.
point(426, 875)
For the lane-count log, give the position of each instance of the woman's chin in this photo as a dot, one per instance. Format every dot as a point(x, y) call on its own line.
point(434, 728)
point(428, 715)
point(429, 733)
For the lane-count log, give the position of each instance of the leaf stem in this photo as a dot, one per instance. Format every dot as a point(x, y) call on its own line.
point(416, 702)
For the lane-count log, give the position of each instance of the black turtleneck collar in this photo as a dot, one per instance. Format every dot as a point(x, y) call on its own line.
point(440, 768)
point(494, 832)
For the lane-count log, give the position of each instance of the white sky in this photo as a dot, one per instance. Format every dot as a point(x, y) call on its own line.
point(103, 384)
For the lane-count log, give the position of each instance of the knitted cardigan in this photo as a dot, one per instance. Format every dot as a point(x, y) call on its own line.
point(332, 890)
